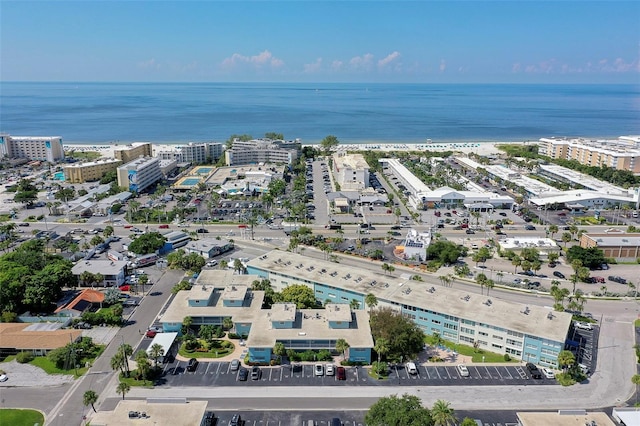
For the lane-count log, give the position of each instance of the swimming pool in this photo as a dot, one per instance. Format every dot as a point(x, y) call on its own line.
point(58, 176)
point(203, 170)
point(190, 182)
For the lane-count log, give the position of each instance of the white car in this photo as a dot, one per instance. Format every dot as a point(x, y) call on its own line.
point(463, 370)
point(583, 325)
point(329, 370)
point(319, 370)
point(3, 377)
point(548, 373)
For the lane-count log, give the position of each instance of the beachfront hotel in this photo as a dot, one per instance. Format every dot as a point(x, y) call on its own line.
point(351, 171)
point(131, 152)
point(529, 333)
point(90, 171)
point(621, 154)
point(258, 151)
point(194, 153)
point(139, 174)
point(40, 148)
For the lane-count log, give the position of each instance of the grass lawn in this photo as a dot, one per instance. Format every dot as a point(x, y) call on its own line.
point(84, 155)
point(227, 348)
point(133, 382)
point(637, 323)
point(50, 368)
point(475, 354)
point(16, 417)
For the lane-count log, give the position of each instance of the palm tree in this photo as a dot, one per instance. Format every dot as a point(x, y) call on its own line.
point(482, 280)
point(635, 379)
point(371, 300)
point(566, 237)
point(565, 359)
point(238, 266)
point(224, 264)
point(354, 304)
point(516, 261)
point(123, 388)
point(89, 398)
point(489, 284)
point(500, 274)
point(553, 229)
point(156, 352)
point(227, 323)
point(442, 414)
point(576, 264)
point(144, 366)
point(342, 346)
point(108, 231)
point(381, 347)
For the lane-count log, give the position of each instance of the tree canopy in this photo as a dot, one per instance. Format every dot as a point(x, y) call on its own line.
point(404, 337)
point(445, 252)
point(32, 280)
point(406, 410)
point(328, 143)
point(591, 257)
point(147, 243)
point(301, 295)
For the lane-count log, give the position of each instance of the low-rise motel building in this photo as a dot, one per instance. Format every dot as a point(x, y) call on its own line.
point(217, 295)
point(530, 333)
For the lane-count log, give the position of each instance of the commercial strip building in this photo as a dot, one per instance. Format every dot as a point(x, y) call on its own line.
point(194, 153)
point(620, 154)
point(622, 246)
point(209, 247)
point(38, 338)
point(41, 148)
point(351, 171)
point(258, 151)
point(422, 197)
point(543, 245)
point(174, 240)
point(158, 412)
point(128, 153)
point(90, 171)
point(565, 418)
point(534, 334)
point(139, 174)
point(217, 295)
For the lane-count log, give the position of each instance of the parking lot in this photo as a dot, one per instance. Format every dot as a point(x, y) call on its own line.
point(220, 374)
point(583, 344)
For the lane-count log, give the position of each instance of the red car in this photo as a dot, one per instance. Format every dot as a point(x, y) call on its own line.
point(165, 226)
point(438, 214)
point(124, 287)
point(151, 333)
point(341, 373)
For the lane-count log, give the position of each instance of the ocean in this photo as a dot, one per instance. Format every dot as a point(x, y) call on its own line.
point(355, 113)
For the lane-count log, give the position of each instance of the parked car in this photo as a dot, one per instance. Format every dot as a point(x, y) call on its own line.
point(256, 373)
point(3, 377)
point(470, 231)
point(462, 370)
point(329, 370)
point(235, 365)
point(548, 373)
point(583, 325)
point(318, 370)
point(236, 420)
point(243, 374)
point(341, 373)
point(558, 274)
point(164, 226)
point(533, 370)
point(192, 365)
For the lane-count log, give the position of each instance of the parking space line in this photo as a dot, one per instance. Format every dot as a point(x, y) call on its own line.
point(449, 374)
point(206, 371)
point(426, 370)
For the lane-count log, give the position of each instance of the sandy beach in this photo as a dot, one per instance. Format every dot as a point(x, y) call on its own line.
point(480, 148)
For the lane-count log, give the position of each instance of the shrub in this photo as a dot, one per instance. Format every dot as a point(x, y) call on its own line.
point(24, 357)
point(507, 357)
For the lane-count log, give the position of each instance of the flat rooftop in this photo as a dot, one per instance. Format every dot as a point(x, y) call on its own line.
point(213, 283)
point(353, 161)
point(104, 267)
point(531, 320)
point(564, 418)
point(158, 413)
point(252, 172)
point(311, 324)
point(618, 239)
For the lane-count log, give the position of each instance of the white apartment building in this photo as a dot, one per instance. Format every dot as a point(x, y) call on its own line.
point(351, 171)
point(139, 174)
point(195, 153)
point(415, 245)
point(621, 154)
point(41, 148)
point(262, 151)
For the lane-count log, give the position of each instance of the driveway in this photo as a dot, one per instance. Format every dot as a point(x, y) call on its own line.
point(26, 375)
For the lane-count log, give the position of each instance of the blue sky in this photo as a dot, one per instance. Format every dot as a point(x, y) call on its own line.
point(346, 41)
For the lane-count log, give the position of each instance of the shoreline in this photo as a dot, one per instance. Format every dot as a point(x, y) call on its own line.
point(482, 148)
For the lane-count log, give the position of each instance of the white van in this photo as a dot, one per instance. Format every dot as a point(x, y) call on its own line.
point(412, 369)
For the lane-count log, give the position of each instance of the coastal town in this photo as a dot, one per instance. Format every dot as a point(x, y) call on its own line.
point(137, 277)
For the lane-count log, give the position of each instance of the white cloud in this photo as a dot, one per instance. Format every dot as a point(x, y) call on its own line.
point(149, 64)
point(361, 62)
point(264, 58)
point(443, 65)
point(517, 67)
point(388, 59)
point(336, 65)
point(313, 67)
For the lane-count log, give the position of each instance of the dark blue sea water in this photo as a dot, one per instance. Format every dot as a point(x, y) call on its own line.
point(355, 113)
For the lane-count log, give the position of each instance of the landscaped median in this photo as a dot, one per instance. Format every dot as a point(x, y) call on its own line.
point(20, 417)
point(201, 348)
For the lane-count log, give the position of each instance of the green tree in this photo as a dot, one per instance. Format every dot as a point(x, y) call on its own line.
point(404, 336)
point(227, 323)
point(143, 280)
point(566, 237)
point(398, 411)
point(147, 243)
point(144, 366)
point(112, 295)
point(123, 388)
point(381, 347)
point(354, 304)
point(342, 346)
point(90, 397)
point(301, 295)
point(565, 359)
point(635, 379)
point(329, 143)
point(482, 280)
point(238, 266)
point(468, 421)
point(553, 229)
point(442, 414)
point(119, 359)
point(279, 349)
point(156, 351)
point(371, 300)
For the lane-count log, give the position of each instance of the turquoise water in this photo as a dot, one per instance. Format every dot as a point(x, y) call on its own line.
point(190, 182)
point(204, 170)
point(58, 176)
point(354, 112)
